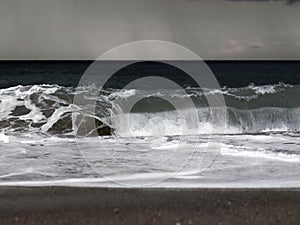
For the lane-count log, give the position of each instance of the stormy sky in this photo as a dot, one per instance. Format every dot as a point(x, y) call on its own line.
point(214, 29)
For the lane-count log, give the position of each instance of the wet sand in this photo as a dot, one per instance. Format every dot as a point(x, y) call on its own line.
point(66, 205)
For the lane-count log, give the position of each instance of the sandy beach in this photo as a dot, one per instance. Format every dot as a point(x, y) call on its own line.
point(68, 205)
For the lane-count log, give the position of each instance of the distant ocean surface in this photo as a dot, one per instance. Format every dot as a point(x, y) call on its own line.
point(228, 73)
point(259, 146)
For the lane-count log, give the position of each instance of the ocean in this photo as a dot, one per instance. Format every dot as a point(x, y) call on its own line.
point(55, 131)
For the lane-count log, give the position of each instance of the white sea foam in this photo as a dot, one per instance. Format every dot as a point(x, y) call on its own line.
point(242, 151)
point(244, 161)
point(4, 139)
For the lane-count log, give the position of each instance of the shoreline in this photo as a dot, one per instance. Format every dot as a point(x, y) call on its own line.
point(82, 205)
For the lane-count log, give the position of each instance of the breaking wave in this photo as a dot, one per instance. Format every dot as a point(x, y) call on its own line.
point(49, 109)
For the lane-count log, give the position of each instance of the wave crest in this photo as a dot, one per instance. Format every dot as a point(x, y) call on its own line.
point(49, 109)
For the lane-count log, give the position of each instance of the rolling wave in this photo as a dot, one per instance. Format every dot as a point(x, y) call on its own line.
point(49, 109)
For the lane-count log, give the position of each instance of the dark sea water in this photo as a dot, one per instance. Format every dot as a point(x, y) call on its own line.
point(228, 73)
point(49, 126)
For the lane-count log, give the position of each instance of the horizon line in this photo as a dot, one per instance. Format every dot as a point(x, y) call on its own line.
point(90, 60)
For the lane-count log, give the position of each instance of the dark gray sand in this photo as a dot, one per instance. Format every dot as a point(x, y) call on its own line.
point(66, 205)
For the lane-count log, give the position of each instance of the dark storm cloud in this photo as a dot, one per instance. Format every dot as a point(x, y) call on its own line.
point(289, 2)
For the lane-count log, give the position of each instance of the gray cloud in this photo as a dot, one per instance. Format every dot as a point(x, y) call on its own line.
point(288, 2)
point(213, 29)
